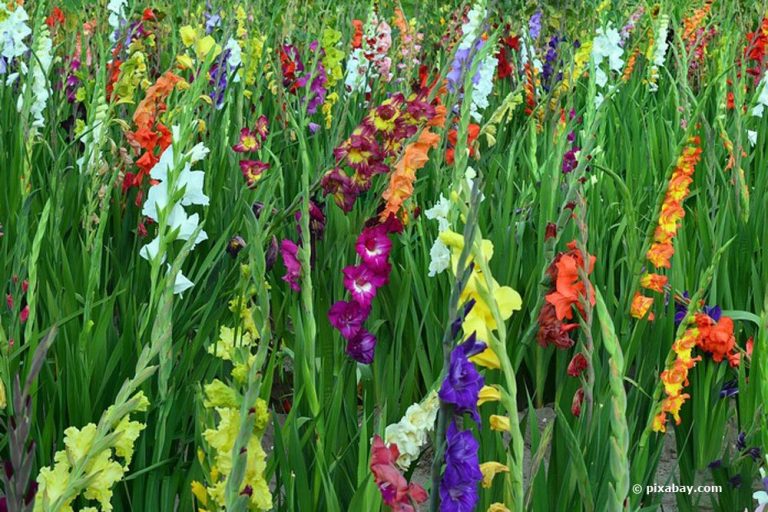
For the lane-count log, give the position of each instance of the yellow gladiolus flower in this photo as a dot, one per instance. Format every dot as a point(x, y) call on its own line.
point(489, 470)
point(488, 394)
point(188, 35)
point(499, 423)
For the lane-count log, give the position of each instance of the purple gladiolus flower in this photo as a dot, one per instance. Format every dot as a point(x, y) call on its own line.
point(741, 441)
point(463, 382)
point(534, 24)
point(458, 487)
point(730, 389)
point(361, 347)
point(212, 19)
point(714, 312)
point(348, 317)
point(456, 325)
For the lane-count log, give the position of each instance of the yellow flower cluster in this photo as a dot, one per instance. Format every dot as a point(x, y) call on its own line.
point(201, 44)
point(101, 470)
point(480, 318)
point(253, 48)
point(226, 401)
point(133, 72)
point(333, 72)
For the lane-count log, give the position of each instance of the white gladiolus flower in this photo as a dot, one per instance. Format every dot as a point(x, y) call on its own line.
point(235, 58)
point(411, 432)
point(660, 50)
point(189, 185)
point(439, 258)
point(752, 136)
point(470, 30)
point(40, 63)
point(484, 86)
point(116, 10)
point(357, 67)
point(182, 284)
point(762, 98)
point(13, 31)
point(606, 46)
point(439, 212)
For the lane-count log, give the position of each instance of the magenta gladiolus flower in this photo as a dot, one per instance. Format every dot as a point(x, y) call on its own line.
point(289, 250)
point(361, 347)
point(373, 245)
point(348, 317)
point(362, 282)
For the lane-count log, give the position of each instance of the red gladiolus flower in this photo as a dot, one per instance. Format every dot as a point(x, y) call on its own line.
point(56, 18)
point(553, 331)
point(577, 365)
point(395, 490)
point(578, 399)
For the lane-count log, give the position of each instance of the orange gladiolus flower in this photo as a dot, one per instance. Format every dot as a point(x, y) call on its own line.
point(716, 337)
point(401, 182)
point(640, 306)
point(655, 282)
point(660, 253)
point(153, 101)
point(568, 287)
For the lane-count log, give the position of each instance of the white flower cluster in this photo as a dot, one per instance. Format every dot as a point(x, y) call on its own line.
point(40, 64)
point(471, 29)
point(410, 433)
point(116, 10)
point(484, 86)
point(357, 67)
point(161, 195)
point(606, 46)
point(235, 59)
point(440, 255)
point(13, 31)
point(660, 48)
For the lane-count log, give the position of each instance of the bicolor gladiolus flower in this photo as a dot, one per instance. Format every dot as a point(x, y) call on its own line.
point(362, 282)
